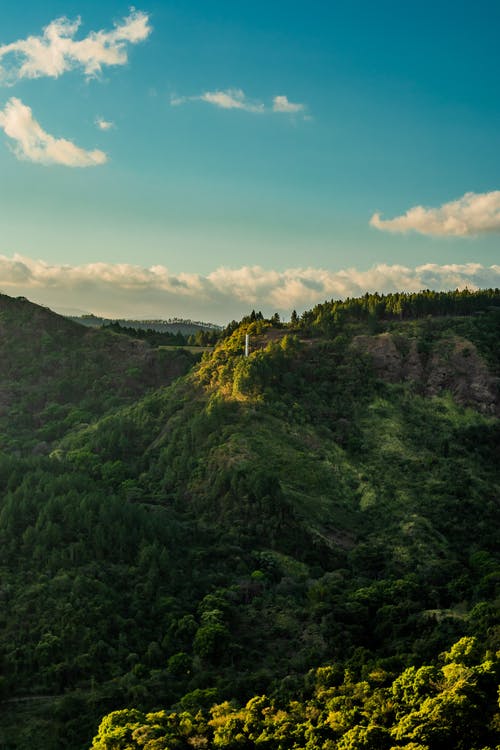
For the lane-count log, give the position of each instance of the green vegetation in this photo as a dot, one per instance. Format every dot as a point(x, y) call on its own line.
point(402, 306)
point(450, 705)
point(56, 374)
point(312, 525)
point(203, 337)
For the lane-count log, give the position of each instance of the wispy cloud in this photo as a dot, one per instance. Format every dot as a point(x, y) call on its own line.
point(237, 99)
point(470, 215)
point(228, 99)
point(56, 51)
point(129, 290)
point(104, 124)
point(231, 99)
point(281, 104)
point(32, 143)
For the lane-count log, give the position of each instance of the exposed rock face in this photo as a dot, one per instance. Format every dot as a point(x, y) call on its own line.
point(452, 364)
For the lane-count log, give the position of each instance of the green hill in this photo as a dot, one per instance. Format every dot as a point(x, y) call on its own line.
point(332, 499)
point(55, 374)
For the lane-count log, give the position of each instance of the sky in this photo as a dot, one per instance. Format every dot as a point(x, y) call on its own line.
point(199, 159)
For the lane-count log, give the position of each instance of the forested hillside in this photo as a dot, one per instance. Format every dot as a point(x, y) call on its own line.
point(314, 524)
point(56, 374)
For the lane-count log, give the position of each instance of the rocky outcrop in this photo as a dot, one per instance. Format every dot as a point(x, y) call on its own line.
point(451, 364)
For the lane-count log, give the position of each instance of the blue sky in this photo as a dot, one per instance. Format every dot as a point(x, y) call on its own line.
point(250, 154)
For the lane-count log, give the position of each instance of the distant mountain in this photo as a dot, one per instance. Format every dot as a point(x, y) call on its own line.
point(69, 312)
point(172, 325)
point(305, 530)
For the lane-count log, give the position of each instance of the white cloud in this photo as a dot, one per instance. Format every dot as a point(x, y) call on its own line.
point(32, 143)
point(281, 104)
point(124, 290)
point(104, 124)
point(56, 51)
point(176, 101)
point(237, 99)
point(470, 215)
point(231, 99)
point(228, 99)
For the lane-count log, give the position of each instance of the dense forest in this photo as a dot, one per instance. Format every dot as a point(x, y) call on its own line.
point(294, 549)
point(446, 705)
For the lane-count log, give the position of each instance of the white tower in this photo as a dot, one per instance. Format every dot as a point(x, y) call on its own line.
point(247, 338)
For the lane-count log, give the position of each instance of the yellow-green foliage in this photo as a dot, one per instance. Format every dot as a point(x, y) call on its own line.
point(432, 707)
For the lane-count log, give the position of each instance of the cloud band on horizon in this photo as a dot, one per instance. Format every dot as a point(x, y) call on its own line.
point(121, 290)
point(470, 215)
